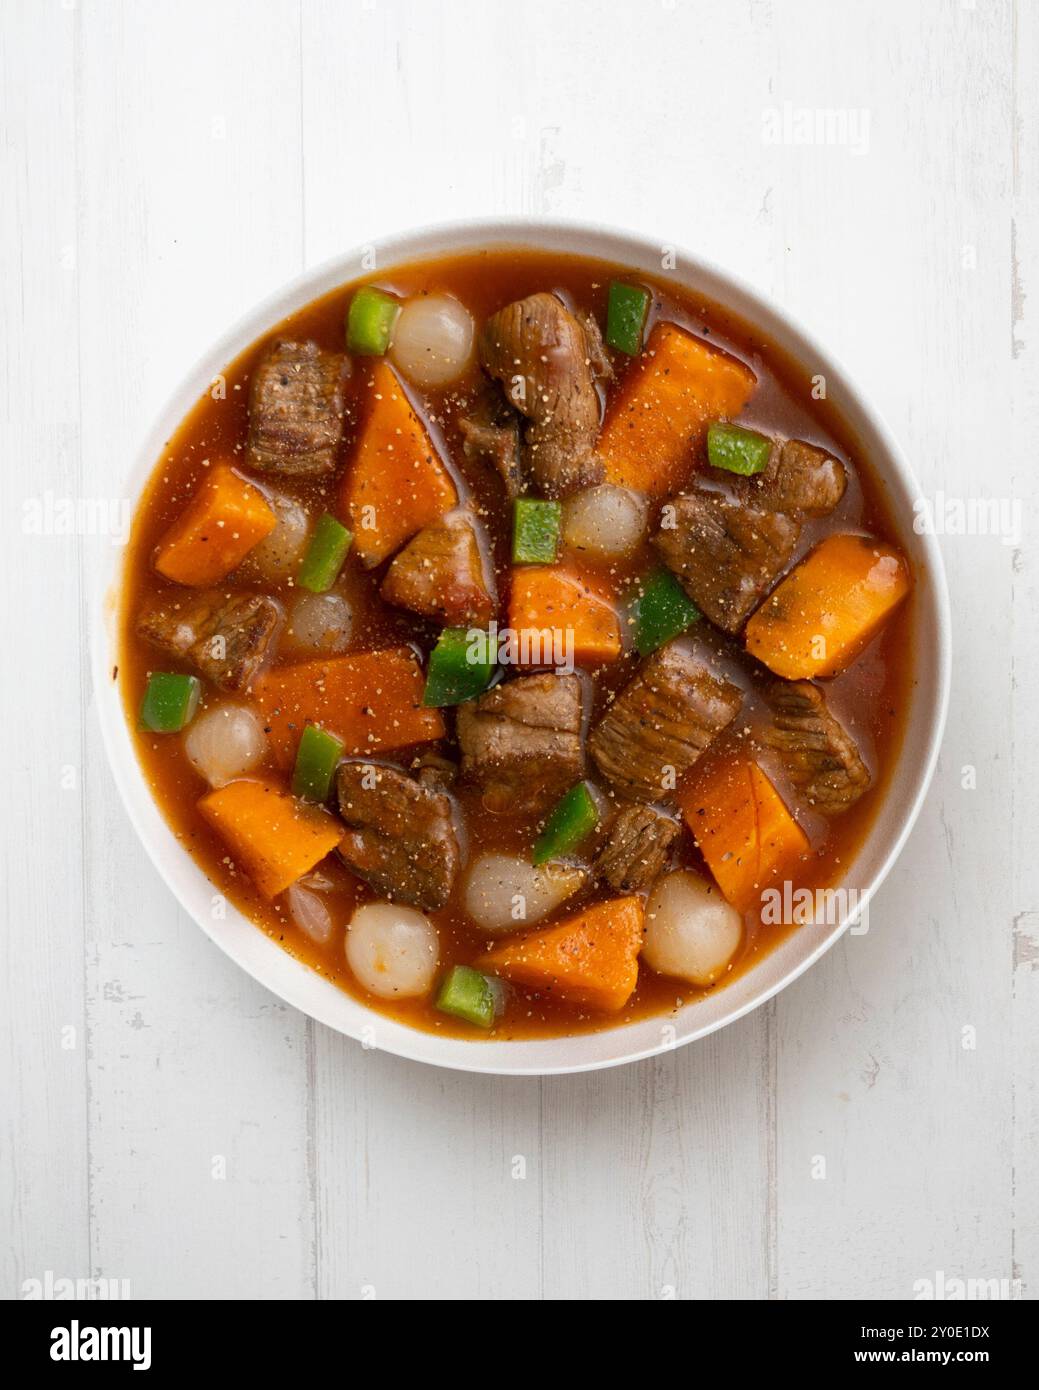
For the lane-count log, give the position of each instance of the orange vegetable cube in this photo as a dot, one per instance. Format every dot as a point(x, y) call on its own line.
point(663, 407)
point(371, 700)
point(743, 828)
point(829, 608)
point(396, 482)
point(272, 836)
point(590, 959)
point(223, 521)
point(551, 601)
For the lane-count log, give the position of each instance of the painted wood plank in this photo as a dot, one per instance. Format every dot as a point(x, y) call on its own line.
point(189, 178)
point(655, 1176)
point(895, 1053)
point(1023, 755)
point(43, 1153)
point(428, 1182)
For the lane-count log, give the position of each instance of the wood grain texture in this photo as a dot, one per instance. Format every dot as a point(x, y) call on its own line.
point(876, 1074)
point(1022, 762)
point(44, 1205)
point(166, 167)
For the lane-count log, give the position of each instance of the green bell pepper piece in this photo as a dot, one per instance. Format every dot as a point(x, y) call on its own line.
point(736, 449)
point(626, 314)
point(460, 665)
point(170, 701)
point(325, 555)
point(535, 531)
point(573, 817)
point(662, 611)
point(467, 994)
point(370, 321)
point(316, 759)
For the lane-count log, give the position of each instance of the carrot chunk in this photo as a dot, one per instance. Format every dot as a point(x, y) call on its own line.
point(372, 701)
point(590, 959)
point(743, 828)
point(223, 521)
point(663, 406)
point(827, 609)
point(557, 604)
point(273, 837)
point(396, 483)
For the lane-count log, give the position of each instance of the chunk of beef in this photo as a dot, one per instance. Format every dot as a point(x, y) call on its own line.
point(432, 769)
point(441, 574)
point(818, 754)
point(224, 636)
point(639, 842)
point(726, 554)
point(539, 352)
point(399, 834)
point(521, 742)
point(491, 434)
point(799, 478)
point(660, 723)
point(598, 357)
point(296, 410)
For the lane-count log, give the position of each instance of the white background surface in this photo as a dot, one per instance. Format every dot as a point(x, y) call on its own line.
point(162, 167)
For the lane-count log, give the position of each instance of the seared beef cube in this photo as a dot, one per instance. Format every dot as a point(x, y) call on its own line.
point(660, 723)
point(540, 353)
point(727, 555)
point(521, 742)
point(818, 754)
point(400, 837)
point(224, 636)
point(441, 574)
point(432, 769)
point(798, 478)
point(296, 410)
point(491, 434)
point(232, 648)
point(640, 839)
point(805, 479)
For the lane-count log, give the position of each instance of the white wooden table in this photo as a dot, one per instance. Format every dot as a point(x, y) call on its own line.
point(166, 1121)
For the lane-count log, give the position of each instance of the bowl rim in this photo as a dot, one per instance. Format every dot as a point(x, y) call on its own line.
point(303, 987)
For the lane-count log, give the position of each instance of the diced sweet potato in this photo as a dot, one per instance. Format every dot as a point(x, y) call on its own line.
point(223, 521)
point(396, 482)
point(743, 828)
point(371, 700)
point(557, 603)
point(274, 837)
point(827, 609)
point(589, 960)
point(663, 406)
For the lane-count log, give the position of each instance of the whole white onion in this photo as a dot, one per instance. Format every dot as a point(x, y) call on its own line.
point(319, 623)
point(433, 339)
point(505, 893)
point(604, 521)
point(225, 742)
point(278, 555)
point(310, 913)
point(691, 931)
point(393, 951)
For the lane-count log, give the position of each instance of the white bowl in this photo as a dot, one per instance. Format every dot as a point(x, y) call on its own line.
point(302, 987)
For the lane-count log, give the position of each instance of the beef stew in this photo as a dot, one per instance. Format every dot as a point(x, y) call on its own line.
point(499, 632)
